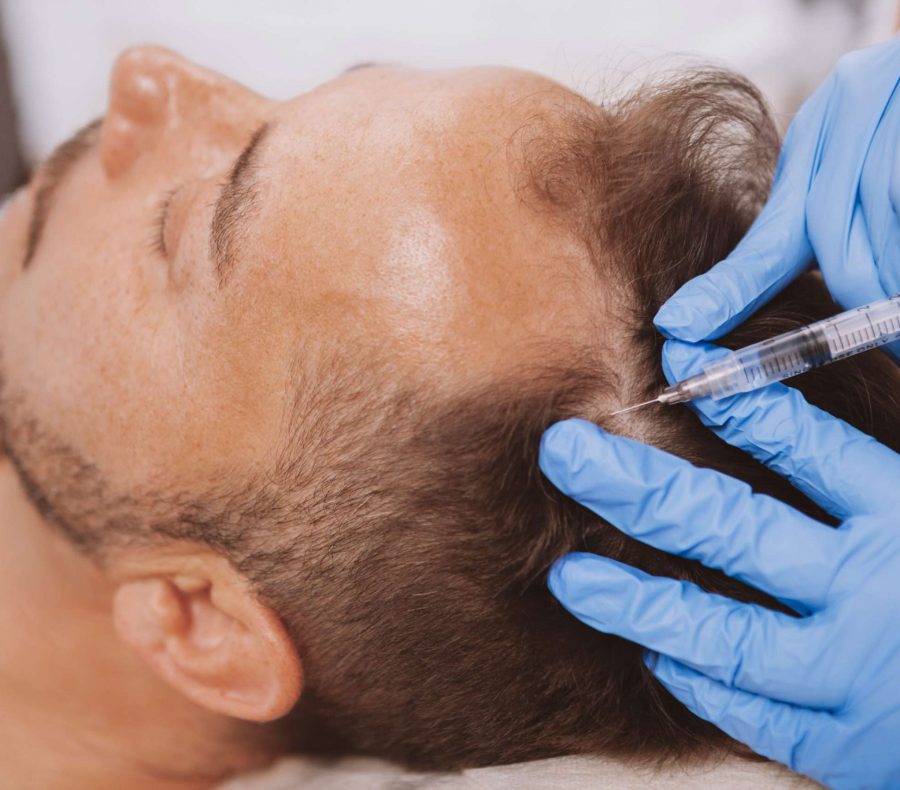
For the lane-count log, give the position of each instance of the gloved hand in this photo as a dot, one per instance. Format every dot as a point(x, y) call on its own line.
point(819, 693)
point(836, 194)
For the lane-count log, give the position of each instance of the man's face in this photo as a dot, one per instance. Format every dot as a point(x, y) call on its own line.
point(379, 215)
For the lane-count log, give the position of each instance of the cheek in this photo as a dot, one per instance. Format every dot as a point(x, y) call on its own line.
point(89, 334)
point(85, 348)
point(152, 388)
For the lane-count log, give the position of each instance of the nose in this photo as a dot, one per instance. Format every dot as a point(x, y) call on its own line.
point(155, 93)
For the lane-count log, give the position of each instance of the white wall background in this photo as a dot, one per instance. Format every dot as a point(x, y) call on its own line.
point(61, 50)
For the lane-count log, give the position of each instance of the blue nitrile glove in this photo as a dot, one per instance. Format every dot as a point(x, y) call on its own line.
point(820, 693)
point(836, 195)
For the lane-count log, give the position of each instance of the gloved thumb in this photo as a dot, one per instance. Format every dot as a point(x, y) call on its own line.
point(774, 252)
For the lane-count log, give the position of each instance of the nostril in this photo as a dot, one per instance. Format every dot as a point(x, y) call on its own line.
point(120, 144)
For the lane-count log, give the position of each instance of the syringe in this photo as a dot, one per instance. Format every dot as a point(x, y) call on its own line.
point(789, 354)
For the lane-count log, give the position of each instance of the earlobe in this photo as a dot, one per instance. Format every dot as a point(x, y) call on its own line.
point(213, 641)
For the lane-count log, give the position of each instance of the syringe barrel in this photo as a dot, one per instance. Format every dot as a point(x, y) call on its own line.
point(771, 360)
point(795, 352)
point(858, 330)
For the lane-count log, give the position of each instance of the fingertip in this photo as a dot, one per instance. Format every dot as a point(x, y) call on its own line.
point(678, 322)
point(668, 671)
point(560, 437)
point(681, 360)
point(556, 577)
point(570, 573)
point(585, 584)
point(565, 447)
point(556, 448)
point(680, 681)
point(695, 312)
point(671, 319)
point(650, 659)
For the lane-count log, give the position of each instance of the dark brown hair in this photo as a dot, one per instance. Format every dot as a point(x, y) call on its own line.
point(419, 596)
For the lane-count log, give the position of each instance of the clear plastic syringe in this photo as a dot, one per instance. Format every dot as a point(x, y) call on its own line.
point(790, 353)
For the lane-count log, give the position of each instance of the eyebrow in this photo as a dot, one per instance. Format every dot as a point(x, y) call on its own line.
point(57, 166)
point(238, 200)
point(236, 206)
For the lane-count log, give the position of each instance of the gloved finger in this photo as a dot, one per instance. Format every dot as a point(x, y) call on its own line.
point(893, 349)
point(842, 469)
point(877, 214)
point(776, 730)
point(890, 273)
point(742, 645)
point(668, 503)
point(772, 254)
point(852, 278)
point(836, 224)
point(879, 196)
point(848, 261)
point(858, 282)
point(774, 251)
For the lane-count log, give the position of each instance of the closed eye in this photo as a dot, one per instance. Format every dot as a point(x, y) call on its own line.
point(157, 241)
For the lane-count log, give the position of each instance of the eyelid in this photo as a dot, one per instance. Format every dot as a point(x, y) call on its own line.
point(180, 204)
point(172, 214)
point(160, 221)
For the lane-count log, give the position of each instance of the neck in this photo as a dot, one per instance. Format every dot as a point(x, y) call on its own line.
point(77, 708)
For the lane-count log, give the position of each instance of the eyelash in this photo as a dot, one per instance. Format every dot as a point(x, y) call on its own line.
point(158, 227)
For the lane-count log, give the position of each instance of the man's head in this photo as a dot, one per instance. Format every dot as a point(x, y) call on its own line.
point(200, 269)
point(299, 426)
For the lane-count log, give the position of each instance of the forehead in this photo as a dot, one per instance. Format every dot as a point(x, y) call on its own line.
point(392, 214)
point(484, 96)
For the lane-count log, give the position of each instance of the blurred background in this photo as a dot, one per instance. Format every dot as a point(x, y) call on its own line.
point(58, 53)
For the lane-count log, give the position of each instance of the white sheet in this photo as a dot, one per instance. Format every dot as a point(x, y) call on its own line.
point(561, 773)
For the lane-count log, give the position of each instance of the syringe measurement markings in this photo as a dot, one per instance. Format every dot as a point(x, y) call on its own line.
point(855, 337)
point(878, 335)
point(868, 334)
point(775, 366)
point(828, 343)
point(889, 325)
point(871, 335)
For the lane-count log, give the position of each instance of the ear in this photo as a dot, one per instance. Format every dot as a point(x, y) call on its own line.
point(207, 635)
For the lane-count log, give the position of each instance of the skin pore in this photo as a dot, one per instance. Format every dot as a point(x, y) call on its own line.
point(378, 213)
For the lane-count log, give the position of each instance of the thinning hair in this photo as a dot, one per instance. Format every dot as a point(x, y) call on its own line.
point(420, 601)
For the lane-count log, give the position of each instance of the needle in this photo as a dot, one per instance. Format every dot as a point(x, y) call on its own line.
point(632, 408)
